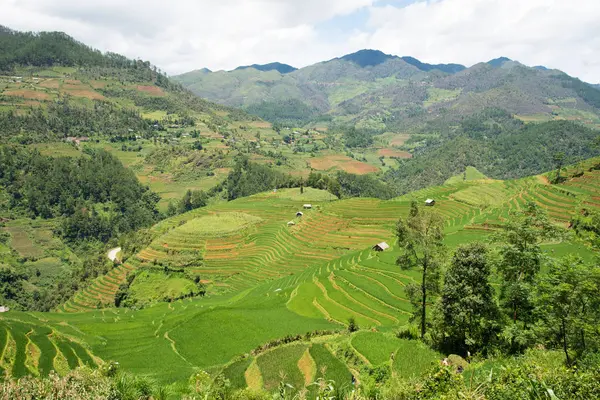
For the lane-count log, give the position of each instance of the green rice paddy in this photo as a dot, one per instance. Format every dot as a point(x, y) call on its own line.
point(266, 280)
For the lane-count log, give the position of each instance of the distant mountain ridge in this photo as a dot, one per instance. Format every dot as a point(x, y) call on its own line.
point(274, 66)
point(448, 68)
point(377, 91)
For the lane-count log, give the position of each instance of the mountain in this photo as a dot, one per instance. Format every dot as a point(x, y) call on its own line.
point(448, 68)
point(498, 62)
point(275, 66)
point(376, 91)
point(93, 147)
point(367, 58)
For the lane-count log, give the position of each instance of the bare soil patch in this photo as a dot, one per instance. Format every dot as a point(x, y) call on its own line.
point(151, 90)
point(28, 94)
point(343, 163)
point(394, 153)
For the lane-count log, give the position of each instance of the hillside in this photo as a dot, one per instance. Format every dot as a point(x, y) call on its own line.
point(202, 250)
point(378, 91)
point(258, 270)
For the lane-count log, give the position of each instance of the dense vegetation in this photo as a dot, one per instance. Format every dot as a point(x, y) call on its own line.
point(50, 48)
point(291, 111)
point(89, 201)
point(97, 197)
point(496, 144)
point(326, 315)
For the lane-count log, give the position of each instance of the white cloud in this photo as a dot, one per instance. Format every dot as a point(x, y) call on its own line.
point(556, 33)
point(181, 35)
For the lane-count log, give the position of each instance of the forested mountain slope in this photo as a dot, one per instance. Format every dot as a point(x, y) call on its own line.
point(377, 91)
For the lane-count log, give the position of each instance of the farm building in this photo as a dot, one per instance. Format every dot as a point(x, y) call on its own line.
point(291, 223)
point(430, 202)
point(299, 214)
point(307, 206)
point(381, 246)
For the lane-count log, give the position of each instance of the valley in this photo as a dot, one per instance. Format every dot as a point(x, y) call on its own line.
point(366, 227)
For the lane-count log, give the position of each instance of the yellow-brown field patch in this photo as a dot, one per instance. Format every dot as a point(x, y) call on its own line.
point(151, 90)
point(308, 367)
point(394, 153)
point(343, 163)
point(86, 93)
point(28, 94)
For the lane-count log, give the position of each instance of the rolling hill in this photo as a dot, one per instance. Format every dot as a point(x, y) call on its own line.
point(259, 271)
point(377, 91)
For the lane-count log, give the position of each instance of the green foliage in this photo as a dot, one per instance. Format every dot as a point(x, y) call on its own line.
point(357, 138)
point(98, 197)
point(350, 185)
point(50, 48)
point(568, 305)
point(249, 178)
point(521, 259)
point(468, 317)
point(421, 236)
point(505, 149)
point(352, 325)
point(291, 111)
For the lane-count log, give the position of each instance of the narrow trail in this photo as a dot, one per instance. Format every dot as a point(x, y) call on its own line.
point(172, 342)
point(112, 253)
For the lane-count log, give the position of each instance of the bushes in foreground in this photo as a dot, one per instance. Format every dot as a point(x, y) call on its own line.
point(519, 378)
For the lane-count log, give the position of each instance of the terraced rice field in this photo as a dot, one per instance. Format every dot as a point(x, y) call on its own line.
point(262, 247)
point(36, 349)
point(314, 275)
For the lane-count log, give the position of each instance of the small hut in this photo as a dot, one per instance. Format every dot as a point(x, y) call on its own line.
point(430, 202)
point(381, 246)
point(307, 206)
point(299, 214)
point(291, 223)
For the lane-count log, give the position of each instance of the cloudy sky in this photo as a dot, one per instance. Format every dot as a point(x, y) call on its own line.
point(182, 35)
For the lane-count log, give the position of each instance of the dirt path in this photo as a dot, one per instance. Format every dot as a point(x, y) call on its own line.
point(112, 253)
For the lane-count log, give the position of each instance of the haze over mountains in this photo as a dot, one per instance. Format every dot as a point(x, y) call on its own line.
point(375, 90)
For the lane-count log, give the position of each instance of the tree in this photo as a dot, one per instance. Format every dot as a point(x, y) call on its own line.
point(421, 237)
point(467, 311)
point(559, 160)
point(521, 259)
point(567, 301)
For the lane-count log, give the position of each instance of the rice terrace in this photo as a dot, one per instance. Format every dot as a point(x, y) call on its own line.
point(363, 228)
point(267, 280)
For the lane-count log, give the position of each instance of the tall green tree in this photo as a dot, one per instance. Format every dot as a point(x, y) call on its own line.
point(559, 161)
point(421, 239)
point(521, 259)
point(467, 313)
point(568, 303)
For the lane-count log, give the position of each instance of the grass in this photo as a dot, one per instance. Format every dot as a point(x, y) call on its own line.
point(470, 174)
point(375, 347)
point(330, 367)
point(414, 359)
point(281, 365)
point(218, 225)
point(235, 372)
point(151, 286)
point(436, 95)
point(268, 280)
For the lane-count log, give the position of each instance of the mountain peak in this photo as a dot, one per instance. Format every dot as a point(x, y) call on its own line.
point(274, 66)
point(449, 68)
point(498, 62)
point(367, 57)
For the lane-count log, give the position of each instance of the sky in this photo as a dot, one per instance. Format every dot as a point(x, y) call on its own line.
point(184, 35)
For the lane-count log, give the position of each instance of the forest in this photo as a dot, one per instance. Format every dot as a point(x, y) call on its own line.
point(89, 200)
point(498, 145)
